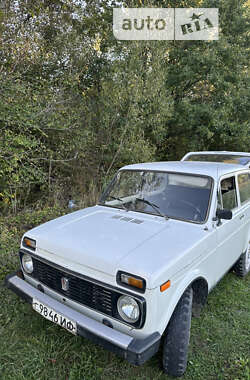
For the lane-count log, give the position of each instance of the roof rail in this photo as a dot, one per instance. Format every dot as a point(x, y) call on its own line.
point(240, 158)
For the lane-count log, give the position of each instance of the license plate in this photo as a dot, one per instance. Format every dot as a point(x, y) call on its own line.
point(55, 317)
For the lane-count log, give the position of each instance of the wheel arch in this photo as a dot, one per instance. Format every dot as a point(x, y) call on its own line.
point(200, 291)
point(200, 288)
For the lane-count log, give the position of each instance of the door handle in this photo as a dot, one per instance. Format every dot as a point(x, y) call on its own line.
point(242, 216)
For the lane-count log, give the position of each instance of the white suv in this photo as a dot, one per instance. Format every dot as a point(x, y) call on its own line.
point(128, 272)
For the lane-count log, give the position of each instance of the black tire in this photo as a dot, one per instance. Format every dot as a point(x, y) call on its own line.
point(242, 266)
point(176, 340)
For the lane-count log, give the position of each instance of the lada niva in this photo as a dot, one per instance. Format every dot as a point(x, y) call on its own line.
point(128, 272)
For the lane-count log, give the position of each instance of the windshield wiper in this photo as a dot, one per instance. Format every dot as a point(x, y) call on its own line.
point(120, 200)
point(153, 205)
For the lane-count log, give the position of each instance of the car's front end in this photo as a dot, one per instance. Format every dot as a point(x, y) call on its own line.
point(106, 314)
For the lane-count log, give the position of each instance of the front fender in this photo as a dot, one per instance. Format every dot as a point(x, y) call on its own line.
point(169, 299)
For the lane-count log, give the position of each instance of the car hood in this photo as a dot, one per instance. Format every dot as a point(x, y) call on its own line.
point(97, 237)
point(103, 239)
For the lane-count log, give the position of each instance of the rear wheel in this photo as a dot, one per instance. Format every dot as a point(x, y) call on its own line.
point(242, 266)
point(176, 340)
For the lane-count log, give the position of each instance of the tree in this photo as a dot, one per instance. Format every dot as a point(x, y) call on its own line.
point(209, 83)
point(76, 103)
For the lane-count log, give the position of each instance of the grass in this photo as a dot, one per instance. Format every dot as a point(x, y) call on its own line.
point(34, 348)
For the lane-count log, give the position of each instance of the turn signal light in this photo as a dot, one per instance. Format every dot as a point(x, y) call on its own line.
point(131, 281)
point(29, 243)
point(165, 286)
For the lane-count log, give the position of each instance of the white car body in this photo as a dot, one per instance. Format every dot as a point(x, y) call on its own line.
point(97, 242)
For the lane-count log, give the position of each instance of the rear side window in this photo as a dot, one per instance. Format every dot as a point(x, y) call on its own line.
point(228, 193)
point(244, 187)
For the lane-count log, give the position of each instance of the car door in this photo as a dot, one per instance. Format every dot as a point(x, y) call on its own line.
point(230, 233)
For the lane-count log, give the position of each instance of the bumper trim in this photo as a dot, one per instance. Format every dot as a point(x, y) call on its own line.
point(136, 351)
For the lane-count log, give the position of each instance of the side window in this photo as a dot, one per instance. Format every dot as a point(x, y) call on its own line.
point(228, 193)
point(244, 187)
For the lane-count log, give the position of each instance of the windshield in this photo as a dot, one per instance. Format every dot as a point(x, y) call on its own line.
point(174, 195)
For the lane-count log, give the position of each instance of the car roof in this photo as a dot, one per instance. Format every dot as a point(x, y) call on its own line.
point(212, 169)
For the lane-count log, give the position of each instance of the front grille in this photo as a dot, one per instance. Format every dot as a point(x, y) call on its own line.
point(80, 290)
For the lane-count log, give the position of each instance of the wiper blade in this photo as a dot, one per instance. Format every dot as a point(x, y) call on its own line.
point(153, 205)
point(120, 200)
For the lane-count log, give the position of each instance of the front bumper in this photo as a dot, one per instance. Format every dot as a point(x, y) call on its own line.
point(136, 351)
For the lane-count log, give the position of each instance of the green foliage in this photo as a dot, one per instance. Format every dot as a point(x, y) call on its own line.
point(13, 227)
point(209, 81)
point(76, 104)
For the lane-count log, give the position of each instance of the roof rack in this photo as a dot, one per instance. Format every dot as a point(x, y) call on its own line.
point(239, 158)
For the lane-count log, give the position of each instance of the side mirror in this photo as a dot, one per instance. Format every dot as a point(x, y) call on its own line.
point(224, 214)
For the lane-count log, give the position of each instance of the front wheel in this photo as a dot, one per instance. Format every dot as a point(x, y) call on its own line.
point(242, 266)
point(176, 340)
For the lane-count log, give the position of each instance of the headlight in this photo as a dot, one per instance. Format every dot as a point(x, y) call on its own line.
point(128, 309)
point(27, 263)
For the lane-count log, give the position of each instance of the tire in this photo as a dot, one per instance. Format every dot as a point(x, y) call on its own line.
point(176, 340)
point(242, 266)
